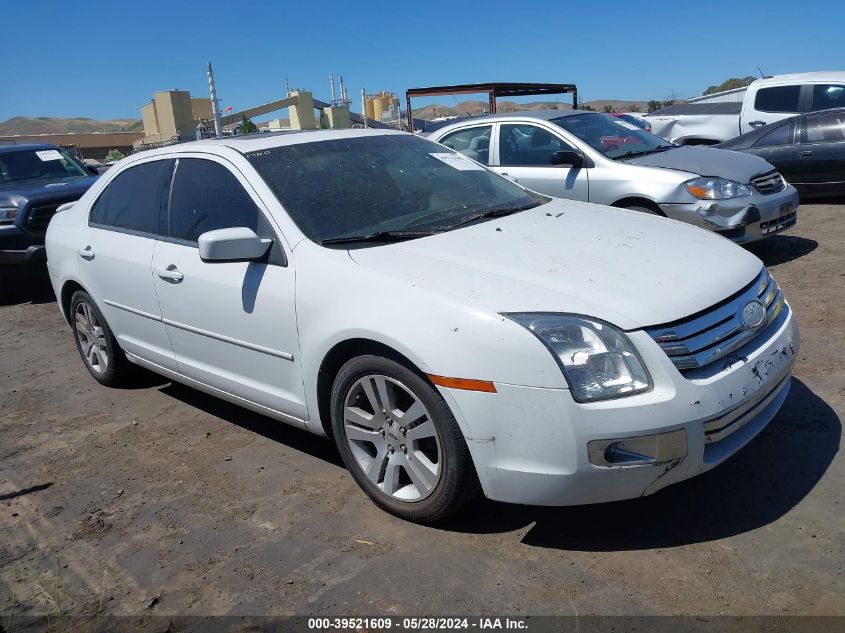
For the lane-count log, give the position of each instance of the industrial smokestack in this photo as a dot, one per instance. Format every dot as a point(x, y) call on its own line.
point(364, 106)
point(344, 98)
point(287, 87)
point(331, 81)
point(215, 108)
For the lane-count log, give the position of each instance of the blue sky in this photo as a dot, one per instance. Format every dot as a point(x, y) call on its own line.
point(105, 59)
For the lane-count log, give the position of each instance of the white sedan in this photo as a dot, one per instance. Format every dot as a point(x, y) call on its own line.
point(447, 328)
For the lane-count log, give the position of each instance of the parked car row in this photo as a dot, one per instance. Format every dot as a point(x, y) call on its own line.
point(604, 159)
point(450, 329)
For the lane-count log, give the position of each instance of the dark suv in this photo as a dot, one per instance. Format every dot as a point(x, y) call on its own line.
point(35, 180)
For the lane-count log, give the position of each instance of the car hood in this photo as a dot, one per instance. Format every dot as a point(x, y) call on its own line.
point(624, 267)
point(707, 161)
point(28, 191)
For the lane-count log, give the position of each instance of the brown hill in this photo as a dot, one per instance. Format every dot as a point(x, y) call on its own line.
point(54, 125)
point(476, 108)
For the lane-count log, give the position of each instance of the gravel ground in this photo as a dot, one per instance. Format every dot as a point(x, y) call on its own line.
point(157, 499)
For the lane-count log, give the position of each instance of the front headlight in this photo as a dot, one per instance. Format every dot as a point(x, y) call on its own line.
point(597, 359)
point(716, 189)
point(8, 215)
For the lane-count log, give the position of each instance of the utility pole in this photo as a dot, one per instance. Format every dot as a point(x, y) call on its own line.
point(215, 108)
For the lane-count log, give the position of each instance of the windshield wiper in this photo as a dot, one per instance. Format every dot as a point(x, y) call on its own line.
point(490, 213)
point(653, 150)
point(377, 236)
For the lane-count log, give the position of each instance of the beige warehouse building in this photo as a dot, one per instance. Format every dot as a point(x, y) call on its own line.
point(173, 115)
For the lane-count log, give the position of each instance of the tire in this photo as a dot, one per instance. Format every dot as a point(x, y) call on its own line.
point(643, 209)
point(97, 346)
point(404, 478)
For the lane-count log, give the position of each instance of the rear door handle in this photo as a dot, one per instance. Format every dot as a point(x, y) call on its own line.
point(506, 175)
point(805, 154)
point(756, 123)
point(171, 273)
point(86, 253)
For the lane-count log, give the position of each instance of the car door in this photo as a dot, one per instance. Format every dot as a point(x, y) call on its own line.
point(232, 324)
point(116, 255)
point(525, 155)
point(821, 148)
point(770, 105)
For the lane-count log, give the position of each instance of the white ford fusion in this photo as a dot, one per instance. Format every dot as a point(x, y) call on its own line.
point(448, 329)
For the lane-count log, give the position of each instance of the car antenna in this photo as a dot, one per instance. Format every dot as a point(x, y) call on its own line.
point(460, 105)
point(761, 73)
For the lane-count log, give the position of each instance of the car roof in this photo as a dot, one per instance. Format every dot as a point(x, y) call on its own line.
point(248, 143)
point(26, 147)
point(821, 75)
point(540, 115)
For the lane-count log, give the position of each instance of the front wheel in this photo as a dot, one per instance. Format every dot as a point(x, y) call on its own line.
point(400, 441)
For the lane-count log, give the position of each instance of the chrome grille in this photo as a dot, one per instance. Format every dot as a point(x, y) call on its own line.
point(40, 214)
point(706, 337)
point(770, 182)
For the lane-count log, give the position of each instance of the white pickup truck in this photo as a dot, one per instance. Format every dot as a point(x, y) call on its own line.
point(725, 115)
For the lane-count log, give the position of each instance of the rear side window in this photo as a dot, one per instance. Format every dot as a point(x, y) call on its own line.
point(778, 99)
point(825, 128)
point(206, 196)
point(778, 136)
point(132, 201)
point(474, 142)
point(827, 96)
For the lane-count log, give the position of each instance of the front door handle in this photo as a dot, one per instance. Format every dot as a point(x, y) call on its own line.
point(171, 273)
point(805, 154)
point(756, 123)
point(86, 253)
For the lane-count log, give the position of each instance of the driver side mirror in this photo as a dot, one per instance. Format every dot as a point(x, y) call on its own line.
point(567, 158)
point(236, 244)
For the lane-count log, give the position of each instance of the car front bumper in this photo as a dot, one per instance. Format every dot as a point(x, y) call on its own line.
point(742, 220)
point(538, 446)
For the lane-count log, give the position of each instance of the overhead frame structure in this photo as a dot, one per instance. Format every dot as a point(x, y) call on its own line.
point(493, 90)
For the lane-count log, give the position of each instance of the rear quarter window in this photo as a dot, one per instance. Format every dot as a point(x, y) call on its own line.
point(778, 99)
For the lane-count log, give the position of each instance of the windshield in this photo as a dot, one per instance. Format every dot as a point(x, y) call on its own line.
point(374, 184)
point(612, 136)
point(38, 165)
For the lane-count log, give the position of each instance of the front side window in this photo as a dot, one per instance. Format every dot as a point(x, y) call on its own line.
point(827, 96)
point(133, 200)
point(528, 145)
point(339, 188)
point(778, 99)
point(474, 142)
point(779, 136)
point(611, 136)
point(205, 197)
point(825, 128)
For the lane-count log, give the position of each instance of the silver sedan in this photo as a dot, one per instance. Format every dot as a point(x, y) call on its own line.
point(597, 158)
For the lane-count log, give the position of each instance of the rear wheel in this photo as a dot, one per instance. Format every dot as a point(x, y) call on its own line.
point(103, 358)
point(400, 441)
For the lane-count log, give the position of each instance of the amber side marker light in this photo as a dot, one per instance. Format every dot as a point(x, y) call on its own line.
point(463, 383)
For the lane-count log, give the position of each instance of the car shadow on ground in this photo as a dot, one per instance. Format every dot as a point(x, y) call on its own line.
point(755, 487)
point(781, 249)
point(274, 430)
point(25, 288)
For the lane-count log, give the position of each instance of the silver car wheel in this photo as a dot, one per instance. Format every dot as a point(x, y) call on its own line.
point(92, 339)
point(392, 438)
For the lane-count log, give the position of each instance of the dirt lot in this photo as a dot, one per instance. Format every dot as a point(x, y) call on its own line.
point(160, 500)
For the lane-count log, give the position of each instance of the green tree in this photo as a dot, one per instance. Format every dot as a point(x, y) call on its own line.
point(654, 105)
point(730, 84)
point(607, 108)
point(247, 126)
point(114, 155)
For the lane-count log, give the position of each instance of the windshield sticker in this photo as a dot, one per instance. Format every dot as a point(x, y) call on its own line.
point(458, 161)
point(49, 154)
point(625, 124)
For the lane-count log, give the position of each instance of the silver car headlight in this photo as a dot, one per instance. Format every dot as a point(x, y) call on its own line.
point(597, 359)
point(716, 189)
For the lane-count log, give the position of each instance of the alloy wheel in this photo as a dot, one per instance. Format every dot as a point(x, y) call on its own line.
point(392, 437)
point(91, 337)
